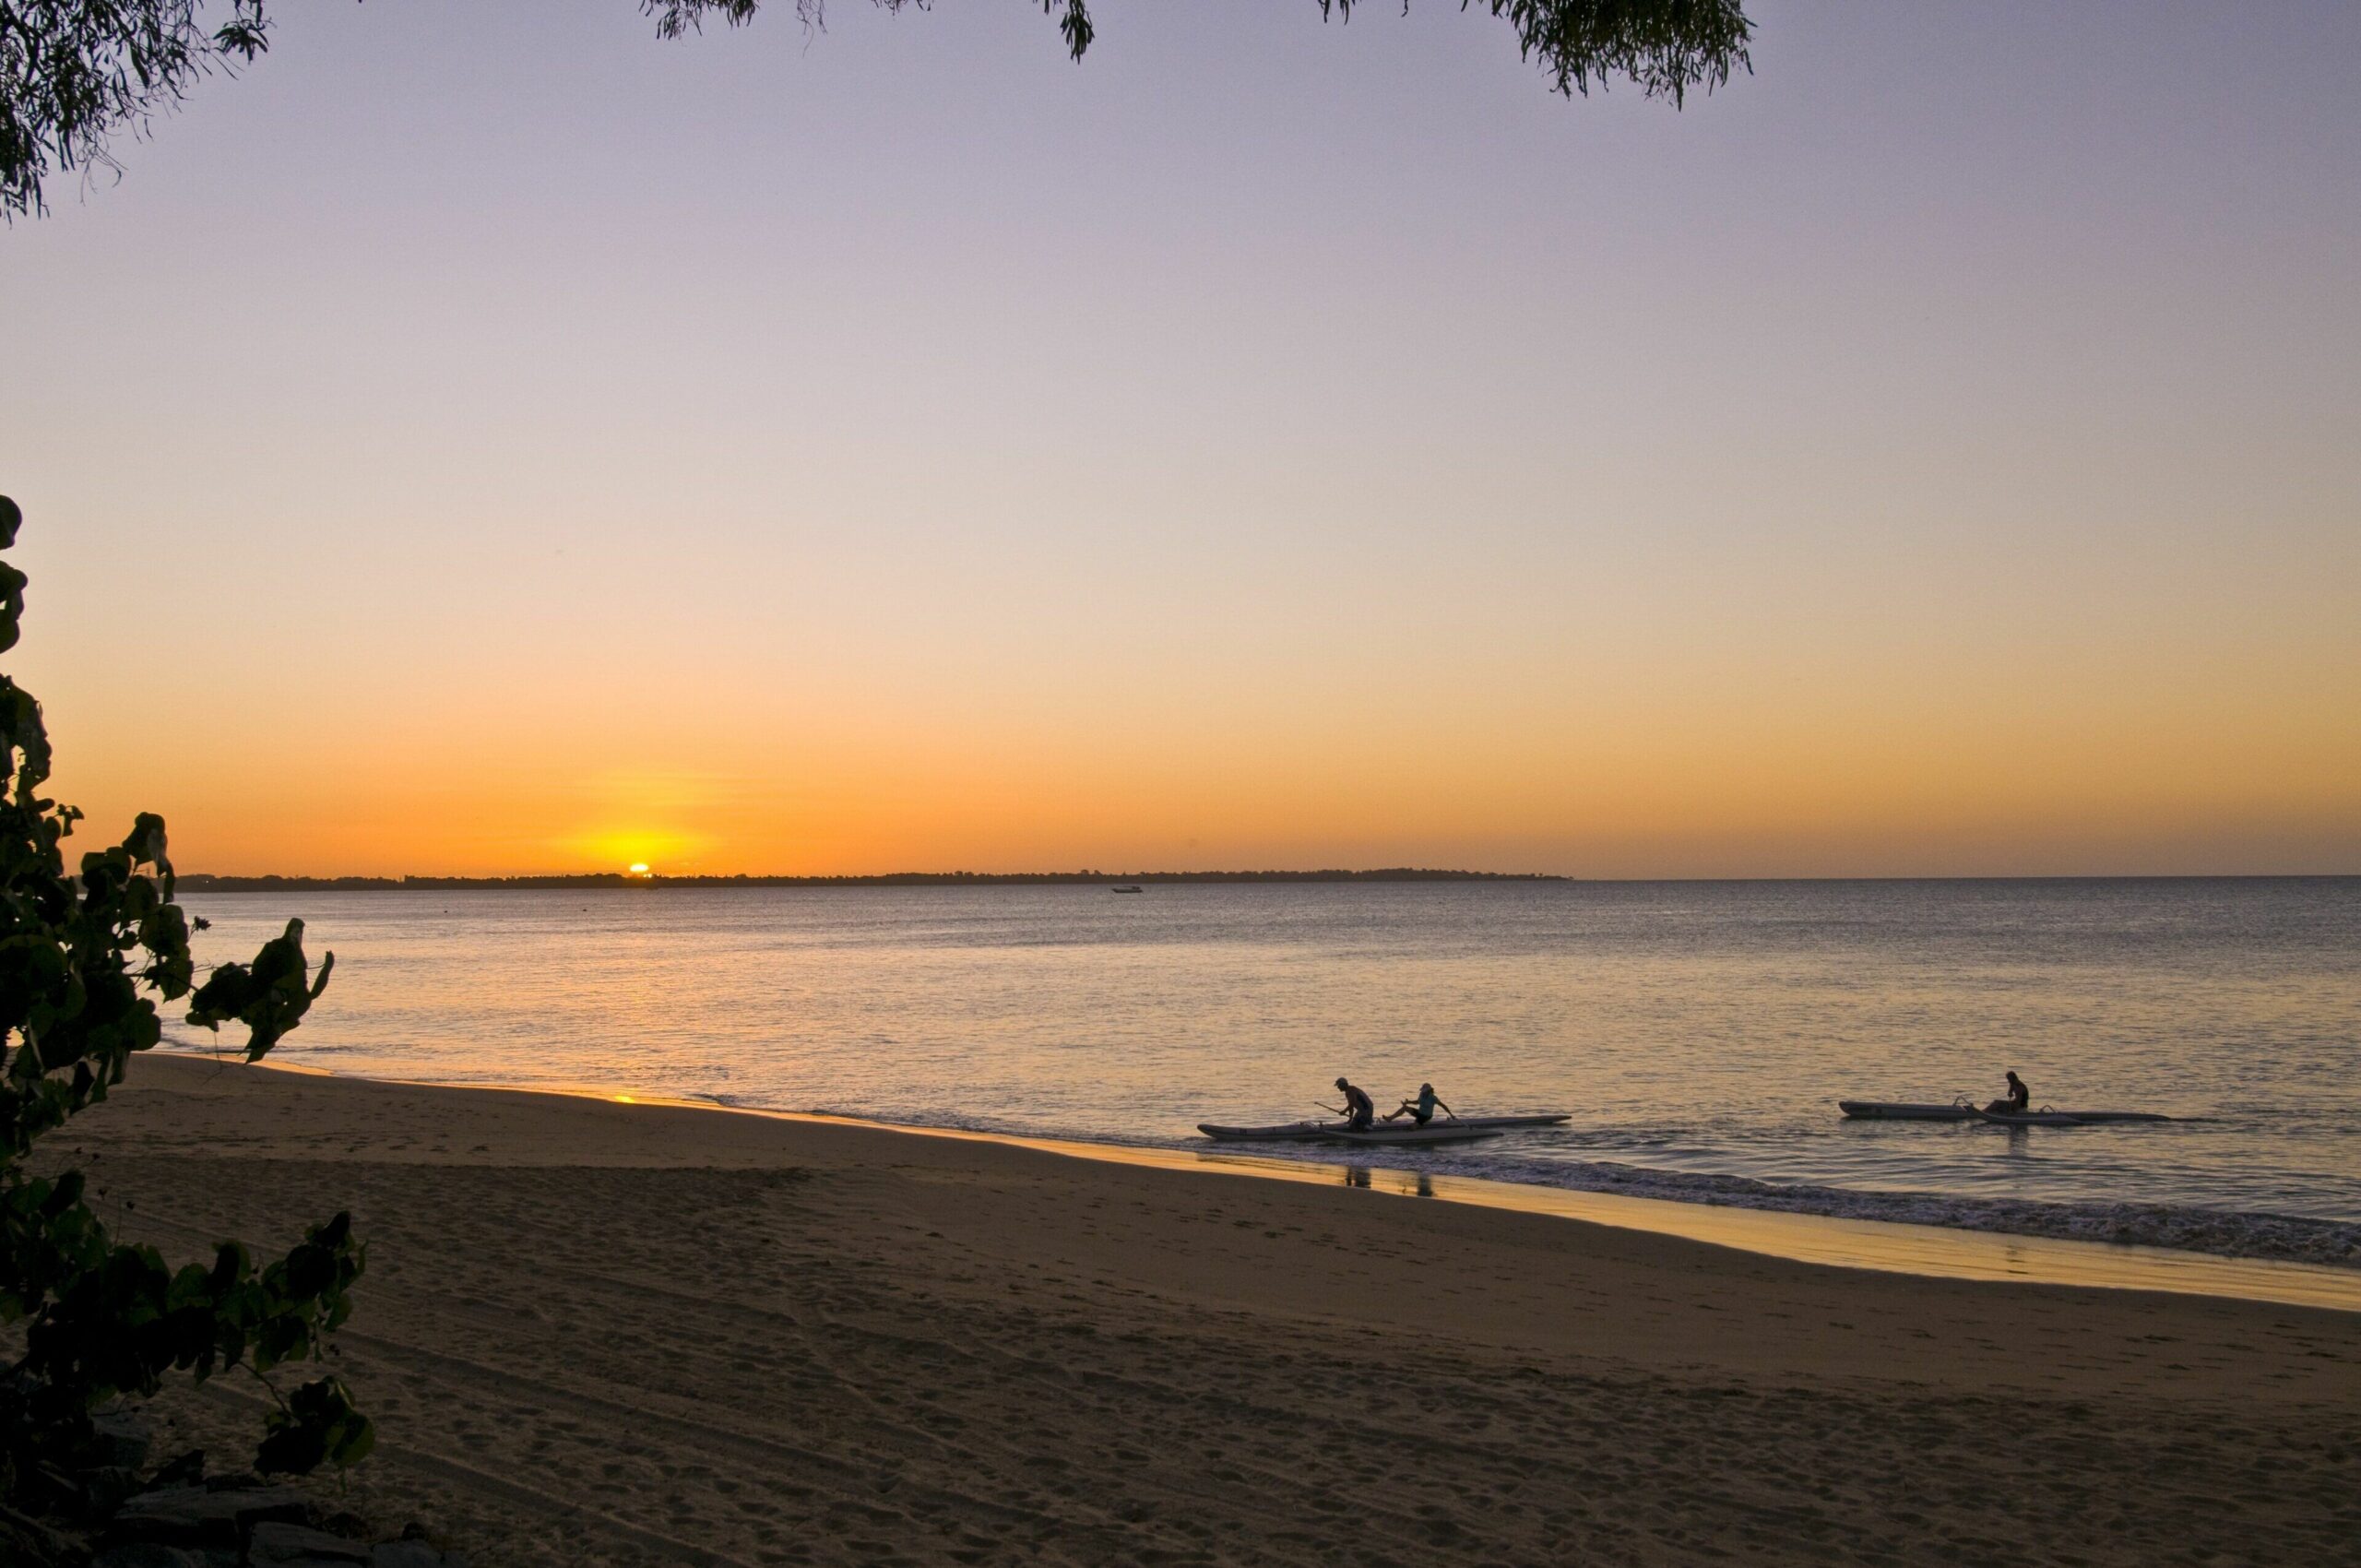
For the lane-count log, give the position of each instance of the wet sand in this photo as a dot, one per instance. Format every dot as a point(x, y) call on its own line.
point(596, 1332)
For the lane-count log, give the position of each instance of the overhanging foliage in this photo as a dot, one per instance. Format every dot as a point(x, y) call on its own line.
point(74, 74)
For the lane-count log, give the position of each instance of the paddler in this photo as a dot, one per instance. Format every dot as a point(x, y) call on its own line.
point(1421, 1111)
point(2020, 1099)
point(1360, 1109)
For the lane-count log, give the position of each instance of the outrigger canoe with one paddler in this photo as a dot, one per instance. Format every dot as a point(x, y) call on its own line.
point(1960, 1110)
point(1435, 1131)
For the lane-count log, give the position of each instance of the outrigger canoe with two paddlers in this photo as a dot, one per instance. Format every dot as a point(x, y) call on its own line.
point(1361, 1125)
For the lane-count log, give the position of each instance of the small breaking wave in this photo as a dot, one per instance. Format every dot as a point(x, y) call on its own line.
point(2278, 1238)
point(2274, 1237)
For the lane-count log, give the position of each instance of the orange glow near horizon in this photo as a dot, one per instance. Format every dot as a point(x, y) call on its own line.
point(1855, 745)
point(1645, 740)
point(1604, 794)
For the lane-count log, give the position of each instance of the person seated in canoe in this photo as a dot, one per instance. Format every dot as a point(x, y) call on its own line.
point(1360, 1109)
point(1421, 1111)
point(2020, 1099)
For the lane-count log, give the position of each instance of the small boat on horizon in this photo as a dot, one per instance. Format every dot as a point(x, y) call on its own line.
point(1129, 887)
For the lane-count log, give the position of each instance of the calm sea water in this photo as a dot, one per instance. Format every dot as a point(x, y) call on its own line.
point(1700, 1032)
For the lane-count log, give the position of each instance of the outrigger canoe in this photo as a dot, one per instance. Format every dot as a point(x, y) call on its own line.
point(1310, 1131)
point(2049, 1118)
point(1894, 1111)
point(1432, 1132)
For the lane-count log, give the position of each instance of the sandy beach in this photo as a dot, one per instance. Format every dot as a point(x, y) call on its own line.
point(597, 1333)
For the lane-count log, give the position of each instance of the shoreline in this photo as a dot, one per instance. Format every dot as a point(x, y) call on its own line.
point(1833, 1241)
point(603, 1335)
point(2228, 1237)
point(1930, 1252)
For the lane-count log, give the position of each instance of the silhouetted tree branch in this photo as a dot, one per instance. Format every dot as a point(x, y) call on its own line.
point(75, 73)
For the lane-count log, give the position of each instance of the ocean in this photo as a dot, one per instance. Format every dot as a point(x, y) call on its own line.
point(1699, 1033)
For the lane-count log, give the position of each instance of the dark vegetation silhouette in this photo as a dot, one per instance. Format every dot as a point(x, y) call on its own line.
point(74, 74)
point(84, 1319)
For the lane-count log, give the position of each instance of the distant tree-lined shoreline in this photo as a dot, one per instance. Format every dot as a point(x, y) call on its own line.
point(199, 882)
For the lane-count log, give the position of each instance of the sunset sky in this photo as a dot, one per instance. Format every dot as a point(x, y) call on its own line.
point(487, 439)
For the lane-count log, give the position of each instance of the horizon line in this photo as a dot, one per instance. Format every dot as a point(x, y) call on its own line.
point(530, 881)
